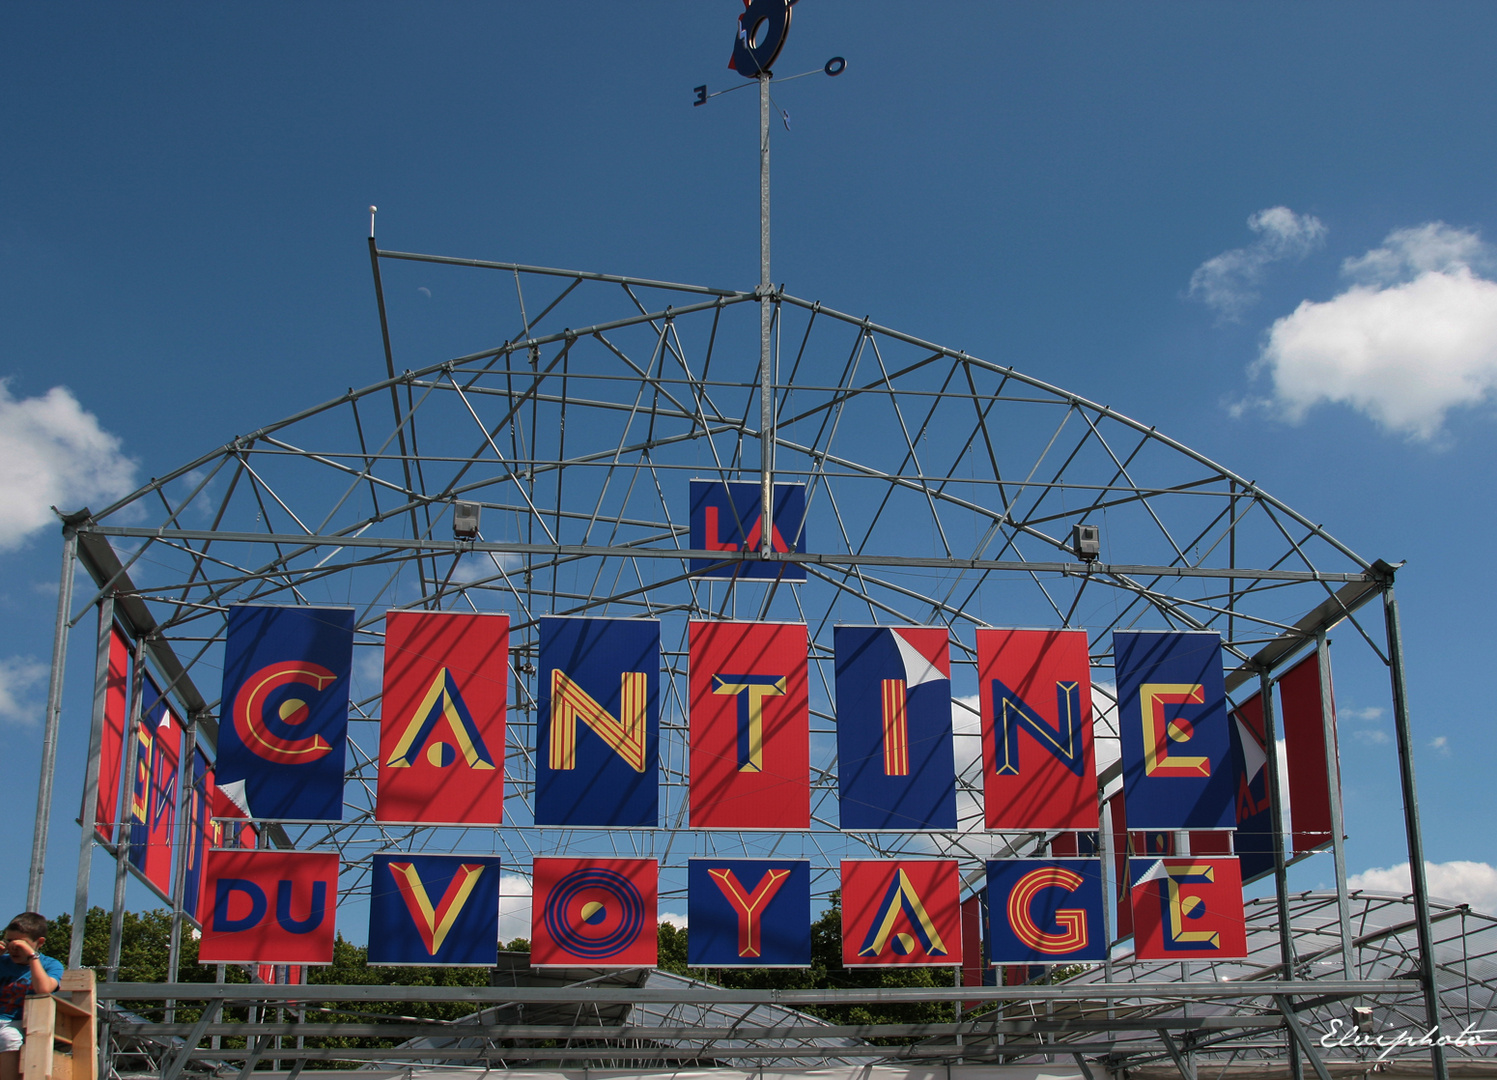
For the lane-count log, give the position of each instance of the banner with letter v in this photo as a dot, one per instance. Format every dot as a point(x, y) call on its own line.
point(434, 909)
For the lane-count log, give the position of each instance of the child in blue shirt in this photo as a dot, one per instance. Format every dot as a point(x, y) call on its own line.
point(23, 970)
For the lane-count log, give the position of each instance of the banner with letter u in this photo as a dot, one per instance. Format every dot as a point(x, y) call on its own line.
point(1045, 911)
point(434, 909)
point(598, 743)
point(1172, 714)
point(749, 913)
point(269, 907)
point(441, 733)
point(901, 912)
point(284, 731)
point(896, 765)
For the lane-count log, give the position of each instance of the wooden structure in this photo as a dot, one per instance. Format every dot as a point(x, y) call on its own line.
point(61, 1036)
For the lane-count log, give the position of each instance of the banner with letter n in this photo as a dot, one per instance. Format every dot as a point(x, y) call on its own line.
point(1172, 714)
point(1045, 911)
point(725, 516)
point(899, 912)
point(441, 732)
point(1310, 777)
point(598, 741)
point(594, 913)
point(1035, 696)
point(434, 909)
point(896, 765)
point(749, 913)
point(112, 745)
point(750, 726)
point(1253, 840)
point(197, 833)
point(284, 732)
point(1187, 908)
point(153, 790)
point(269, 907)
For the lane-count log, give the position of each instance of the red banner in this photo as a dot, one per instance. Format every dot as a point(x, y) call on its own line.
point(596, 913)
point(901, 912)
point(269, 907)
point(750, 726)
point(1188, 908)
point(441, 740)
point(1304, 746)
point(1039, 771)
point(111, 750)
point(1124, 924)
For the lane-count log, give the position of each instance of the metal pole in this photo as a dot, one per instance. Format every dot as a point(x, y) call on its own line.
point(52, 722)
point(1104, 849)
point(186, 840)
point(766, 313)
point(1411, 825)
point(127, 822)
point(1333, 778)
point(1280, 867)
point(91, 780)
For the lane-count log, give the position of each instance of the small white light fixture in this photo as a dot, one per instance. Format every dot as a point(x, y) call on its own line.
point(465, 520)
point(1086, 542)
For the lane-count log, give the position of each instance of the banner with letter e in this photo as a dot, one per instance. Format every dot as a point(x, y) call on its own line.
point(269, 907)
point(284, 731)
point(1187, 908)
point(1045, 911)
point(725, 516)
point(434, 909)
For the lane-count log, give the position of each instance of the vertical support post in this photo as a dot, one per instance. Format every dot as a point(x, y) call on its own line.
point(91, 780)
point(1415, 834)
point(1333, 778)
point(122, 841)
point(1280, 867)
point(52, 722)
point(766, 316)
point(1104, 848)
point(186, 840)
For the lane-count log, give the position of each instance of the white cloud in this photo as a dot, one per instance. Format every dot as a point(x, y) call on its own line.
point(20, 678)
point(1371, 712)
point(53, 453)
point(1227, 282)
point(1413, 337)
point(514, 907)
point(1375, 736)
point(1473, 883)
point(1441, 743)
point(678, 921)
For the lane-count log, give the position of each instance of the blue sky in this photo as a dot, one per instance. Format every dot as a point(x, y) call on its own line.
point(182, 248)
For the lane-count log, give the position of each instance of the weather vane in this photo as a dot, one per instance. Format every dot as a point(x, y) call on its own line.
point(762, 30)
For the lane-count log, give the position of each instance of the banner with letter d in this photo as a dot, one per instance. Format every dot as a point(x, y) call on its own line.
point(269, 907)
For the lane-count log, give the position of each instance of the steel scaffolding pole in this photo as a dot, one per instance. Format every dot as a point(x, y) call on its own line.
point(53, 721)
point(91, 779)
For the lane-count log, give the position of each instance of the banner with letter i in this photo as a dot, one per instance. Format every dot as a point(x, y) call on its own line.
point(434, 909)
point(901, 912)
point(750, 726)
point(284, 732)
point(269, 907)
point(896, 765)
point(1172, 714)
point(594, 913)
point(597, 758)
point(1187, 909)
point(1045, 911)
point(441, 733)
point(1035, 694)
point(749, 913)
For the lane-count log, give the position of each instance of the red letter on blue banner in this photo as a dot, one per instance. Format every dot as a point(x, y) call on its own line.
point(594, 913)
point(269, 907)
point(441, 732)
point(598, 743)
point(284, 731)
point(1035, 693)
point(896, 766)
point(749, 913)
point(1187, 909)
point(1045, 911)
point(434, 909)
point(750, 726)
point(153, 791)
point(900, 912)
point(1172, 712)
point(725, 517)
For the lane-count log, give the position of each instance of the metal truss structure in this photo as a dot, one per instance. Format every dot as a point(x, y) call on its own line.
point(573, 408)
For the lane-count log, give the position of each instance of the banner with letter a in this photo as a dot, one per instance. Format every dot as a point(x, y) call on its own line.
point(197, 833)
point(441, 732)
point(112, 746)
point(597, 752)
point(750, 726)
point(749, 913)
point(434, 909)
point(1045, 911)
point(153, 790)
point(284, 731)
point(898, 912)
point(1172, 712)
point(269, 907)
point(1310, 779)
point(896, 766)
point(1253, 841)
point(1035, 694)
point(594, 913)
point(725, 517)
point(1187, 909)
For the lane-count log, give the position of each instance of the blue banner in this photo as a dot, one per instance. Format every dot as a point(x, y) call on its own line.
point(896, 766)
point(196, 831)
point(598, 736)
point(725, 517)
point(749, 913)
point(434, 909)
point(1253, 841)
point(1045, 911)
point(1172, 713)
point(283, 728)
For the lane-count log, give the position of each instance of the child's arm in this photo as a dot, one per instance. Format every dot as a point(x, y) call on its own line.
point(41, 982)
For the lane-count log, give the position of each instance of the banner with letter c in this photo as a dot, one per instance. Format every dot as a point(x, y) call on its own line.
point(269, 907)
